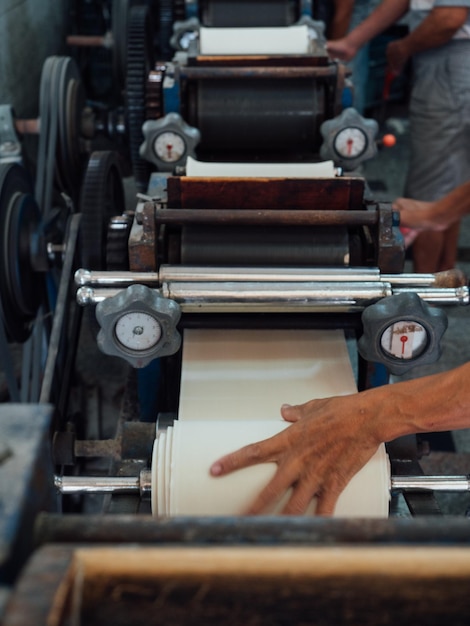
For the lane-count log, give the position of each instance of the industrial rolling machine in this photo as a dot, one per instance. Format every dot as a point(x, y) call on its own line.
point(252, 316)
point(261, 95)
point(211, 257)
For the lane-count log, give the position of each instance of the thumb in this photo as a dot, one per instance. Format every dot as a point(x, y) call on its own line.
point(290, 413)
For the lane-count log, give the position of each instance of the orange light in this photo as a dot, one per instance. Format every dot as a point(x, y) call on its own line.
point(389, 140)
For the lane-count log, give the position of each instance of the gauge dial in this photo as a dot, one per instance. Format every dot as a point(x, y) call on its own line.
point(138, 331)
point(404, 339)
point(350, 142)
point(169, 146)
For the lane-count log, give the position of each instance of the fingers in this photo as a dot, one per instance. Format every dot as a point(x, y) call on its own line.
point(300, 500)
point(273, 492)
point(261, 452)
point(326, 503)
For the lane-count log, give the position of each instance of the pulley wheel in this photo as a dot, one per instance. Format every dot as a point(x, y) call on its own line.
point(62, 103)
point(21, 286)
point(102, 197)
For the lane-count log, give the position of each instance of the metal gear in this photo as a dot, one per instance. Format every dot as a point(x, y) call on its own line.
point(154, 93)
point(102, 196)
point(139, 64)
point(117, 256)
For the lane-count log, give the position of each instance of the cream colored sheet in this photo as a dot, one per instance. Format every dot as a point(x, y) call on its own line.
point(249, 374)
point(192, 491)
point(250, 41)
point(232, 386)
point(325, 169)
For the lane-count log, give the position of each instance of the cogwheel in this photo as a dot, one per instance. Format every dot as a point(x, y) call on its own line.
point(102, 196)
point(154, 95)
point(138, 65)
point(117, 256)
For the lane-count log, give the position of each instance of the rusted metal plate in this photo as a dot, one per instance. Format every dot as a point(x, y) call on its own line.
point(263, 193)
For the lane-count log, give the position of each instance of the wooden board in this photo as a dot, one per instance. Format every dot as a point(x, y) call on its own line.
point(244, 585)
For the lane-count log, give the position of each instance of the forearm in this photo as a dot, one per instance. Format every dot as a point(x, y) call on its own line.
point(342, 18)
point(432, 403)
point(436, 30)
point(454, 205)
point(386, 14)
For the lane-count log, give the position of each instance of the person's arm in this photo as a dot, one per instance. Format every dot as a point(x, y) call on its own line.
point(437, 215)
point(331, 439)
point(435, 30)
point(386, 14)
point(342, 18)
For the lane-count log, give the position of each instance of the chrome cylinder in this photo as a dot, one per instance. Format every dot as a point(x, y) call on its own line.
point(234, 297)
point(176, 273)
point(443, 296)
point(430, 483)
point(141, 485)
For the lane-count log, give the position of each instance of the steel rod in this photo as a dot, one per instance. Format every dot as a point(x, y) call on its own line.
point(279, 296)
point(442, 296)
point(68, 485)
point(174, 273)
point(142, 484)
point(181, 273)
point(430, 483)
point(261, 297)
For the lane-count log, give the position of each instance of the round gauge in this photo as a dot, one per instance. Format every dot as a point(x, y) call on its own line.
point(138, 331)
point(350, 142)
point(169, 146)
point(404, 339)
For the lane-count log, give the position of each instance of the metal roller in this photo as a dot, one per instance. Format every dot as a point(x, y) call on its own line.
point(257, 245)
point(249, 117)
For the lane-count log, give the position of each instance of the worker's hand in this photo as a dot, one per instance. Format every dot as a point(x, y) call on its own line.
point(341, 49)
point(419, 215)
point(397, 55)
point(329, 441)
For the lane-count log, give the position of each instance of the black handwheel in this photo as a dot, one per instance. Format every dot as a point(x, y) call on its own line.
point(102, 197)
point(21, 285)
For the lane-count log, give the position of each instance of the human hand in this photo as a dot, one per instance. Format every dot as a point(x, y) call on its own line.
point(328, 442)
point(341, 49)
point(417, 215)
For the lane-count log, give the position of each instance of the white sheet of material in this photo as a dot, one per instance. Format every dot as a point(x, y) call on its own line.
point(250, 41)
point(193, 491)
point(232, 386)
point(249, 374)
point(324, 169)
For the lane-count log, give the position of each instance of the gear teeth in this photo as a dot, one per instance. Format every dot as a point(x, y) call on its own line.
point(139, 63)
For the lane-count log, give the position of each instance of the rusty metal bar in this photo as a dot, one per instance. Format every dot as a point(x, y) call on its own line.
point(201, 73)
point(266, 217)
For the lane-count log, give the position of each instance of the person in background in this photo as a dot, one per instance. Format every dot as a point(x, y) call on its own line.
point(331, 439)
point(439, 44)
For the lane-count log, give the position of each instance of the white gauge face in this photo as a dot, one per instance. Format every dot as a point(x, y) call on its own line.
point(404, 340)
point(350, 142)
point(138, 331)
point(169, 146)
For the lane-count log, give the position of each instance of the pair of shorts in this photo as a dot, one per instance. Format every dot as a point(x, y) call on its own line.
point(440, 122)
